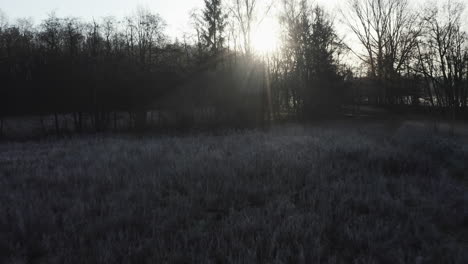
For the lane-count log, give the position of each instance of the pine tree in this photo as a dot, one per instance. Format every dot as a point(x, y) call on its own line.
point(313, 44)
point(213, 34)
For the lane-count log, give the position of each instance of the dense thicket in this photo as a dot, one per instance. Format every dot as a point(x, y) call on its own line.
point(94, 71)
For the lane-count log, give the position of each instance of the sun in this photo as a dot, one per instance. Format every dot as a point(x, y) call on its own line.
point(265, 39)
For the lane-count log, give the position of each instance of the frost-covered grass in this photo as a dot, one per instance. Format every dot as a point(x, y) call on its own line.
point(291, 195)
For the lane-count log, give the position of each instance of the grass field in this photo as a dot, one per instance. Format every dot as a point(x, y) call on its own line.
point(330, 194)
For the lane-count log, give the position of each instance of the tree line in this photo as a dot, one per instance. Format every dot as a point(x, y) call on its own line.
point(96, 72)
point(420, 54)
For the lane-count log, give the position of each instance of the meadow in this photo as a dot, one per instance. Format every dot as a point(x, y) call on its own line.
point(348, 193)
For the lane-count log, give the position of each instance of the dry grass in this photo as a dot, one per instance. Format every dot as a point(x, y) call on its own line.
point(290, 195)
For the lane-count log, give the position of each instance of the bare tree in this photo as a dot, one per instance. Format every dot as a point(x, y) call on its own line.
point(51, 31)
point(443, 55)
point(3, 20)
point(50, 37)
point(196, 22)
point(388, 31)
point(109, 25)
point(149, 29)
point(249, 14)
point(130, 35)
point(3, 25)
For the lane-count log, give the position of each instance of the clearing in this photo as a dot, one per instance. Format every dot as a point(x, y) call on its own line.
point(361, 193)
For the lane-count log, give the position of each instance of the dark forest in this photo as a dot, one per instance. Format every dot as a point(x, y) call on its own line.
point(110, 74)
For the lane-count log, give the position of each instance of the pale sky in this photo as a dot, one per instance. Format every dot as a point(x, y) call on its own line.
point(174, 12)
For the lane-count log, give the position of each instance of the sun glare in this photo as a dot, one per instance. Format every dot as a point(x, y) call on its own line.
point(265, 39)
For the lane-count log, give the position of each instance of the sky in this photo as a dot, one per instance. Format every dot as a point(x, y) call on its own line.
point(175, 12)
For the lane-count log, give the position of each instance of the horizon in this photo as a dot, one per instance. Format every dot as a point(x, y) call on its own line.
point(175, 13)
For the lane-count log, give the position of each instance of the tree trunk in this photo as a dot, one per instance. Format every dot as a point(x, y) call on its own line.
point(1, 127)
point(80, 122)
point(131, 123)
point(140, 120)
point(452, 124)
point(42, 124)
point(115, 120)
point(75, 121)
point(57, 125)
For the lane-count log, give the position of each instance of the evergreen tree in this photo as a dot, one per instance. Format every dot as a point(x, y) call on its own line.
point(213, 34)
point(312, 46)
